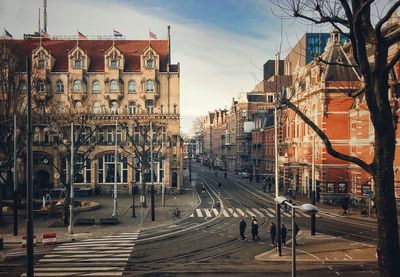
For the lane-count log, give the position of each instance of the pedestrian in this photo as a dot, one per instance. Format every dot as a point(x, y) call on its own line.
point(251, 179)
point(283, 234)
point(269, 186)
point(225, 174)
point(242, 228)
point(216, 174)
point(254, 229)
point(219, 185)
point(272, 233)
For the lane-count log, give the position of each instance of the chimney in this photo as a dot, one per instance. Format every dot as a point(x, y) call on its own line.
point(277, 60)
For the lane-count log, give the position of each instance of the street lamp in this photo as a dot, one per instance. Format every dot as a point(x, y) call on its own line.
point(307, 209)
point(71, 180)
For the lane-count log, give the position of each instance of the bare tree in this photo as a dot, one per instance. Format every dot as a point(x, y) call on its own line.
point(143, 135)
point(85, 142)
point(197, 126)
point(354, 19)
point(12, 102)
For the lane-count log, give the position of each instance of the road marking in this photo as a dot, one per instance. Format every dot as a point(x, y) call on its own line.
point(268, 213)
point(241, 212)
point(233, 212)
point(199, 214)
point(271, 210)
point(215, 211)
point(225, 213)
point(208, 214)
point(258, 212)
point(250, 213)
point(192, 215)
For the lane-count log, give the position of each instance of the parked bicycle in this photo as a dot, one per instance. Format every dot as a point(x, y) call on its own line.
point(176, 214)
point(346, 212)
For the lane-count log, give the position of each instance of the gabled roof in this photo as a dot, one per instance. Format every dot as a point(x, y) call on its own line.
point(95, 49)
point(339, 67)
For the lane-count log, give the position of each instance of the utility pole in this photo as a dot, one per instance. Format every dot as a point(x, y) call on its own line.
point(15, 206)
point(71, 180)
point(151, 173)
point(29, 172)
point(163, 166)
point(115, 205)
point(313, 186)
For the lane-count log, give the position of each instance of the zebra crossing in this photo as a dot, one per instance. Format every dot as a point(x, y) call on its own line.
point(106, 256)
point(243, 212)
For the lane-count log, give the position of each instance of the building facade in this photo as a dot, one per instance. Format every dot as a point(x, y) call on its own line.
point(112, 83)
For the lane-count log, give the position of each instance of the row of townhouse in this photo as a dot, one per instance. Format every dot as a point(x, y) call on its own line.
point(244, 134)
point(111, 82)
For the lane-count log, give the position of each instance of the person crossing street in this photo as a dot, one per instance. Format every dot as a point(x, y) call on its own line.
point(242, 228)
point(254, 229)
point(272, 233)
point(283, 234)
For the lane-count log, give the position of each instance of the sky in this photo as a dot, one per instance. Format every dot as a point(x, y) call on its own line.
point(220, 45)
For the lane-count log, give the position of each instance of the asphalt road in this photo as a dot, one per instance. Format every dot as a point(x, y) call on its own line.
point(207, 243)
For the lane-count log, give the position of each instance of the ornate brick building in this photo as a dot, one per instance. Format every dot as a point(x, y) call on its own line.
point(112, 82)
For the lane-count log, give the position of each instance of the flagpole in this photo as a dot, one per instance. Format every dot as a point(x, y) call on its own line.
point(149, 36)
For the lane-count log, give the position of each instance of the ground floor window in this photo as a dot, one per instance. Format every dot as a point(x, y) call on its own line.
point(106, 169)
point(82, 169)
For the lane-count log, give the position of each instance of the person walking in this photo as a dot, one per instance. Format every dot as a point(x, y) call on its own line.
point(242, 228)
point(225, 174)
point(254, 229)
point(283, 234)
point(272, 233)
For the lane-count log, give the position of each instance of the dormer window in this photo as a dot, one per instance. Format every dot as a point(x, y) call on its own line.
point(114, 64)
point(150, 64)
point(150, 85)
point(77, 86)
point(78, 64)
point(114, 86)
point(41, 63)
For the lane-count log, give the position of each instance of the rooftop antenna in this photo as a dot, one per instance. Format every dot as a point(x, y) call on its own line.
point(39, 23)
point(45, 16)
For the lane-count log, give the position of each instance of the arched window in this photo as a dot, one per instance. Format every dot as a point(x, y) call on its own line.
point(59, 86)
point(132, 108)
point(96, 108)
point(114, 86)
point(96, 87)
point(150, 106)
point(114, 107)
point(77, 86)
point(132, 87)
point(150, 85)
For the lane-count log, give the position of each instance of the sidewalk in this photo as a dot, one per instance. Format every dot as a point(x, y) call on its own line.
point(322, 249)
point(46, 223)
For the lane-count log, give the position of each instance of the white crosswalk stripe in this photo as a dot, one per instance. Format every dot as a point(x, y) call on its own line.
point(237, 212)
point(107, 256)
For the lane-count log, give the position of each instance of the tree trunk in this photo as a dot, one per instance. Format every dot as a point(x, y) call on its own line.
point(388, 236)
point(65, 212)
point(142, 173)
point(1, 205)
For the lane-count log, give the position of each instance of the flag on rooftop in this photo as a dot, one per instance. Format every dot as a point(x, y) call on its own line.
point(81, 36)
point(116, 33)
point(153, 35)
point(7, 34)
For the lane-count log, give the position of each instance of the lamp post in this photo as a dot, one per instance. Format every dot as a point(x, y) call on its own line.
point(151, 174)
point(71, 181)
point(277, 206)
point(15, 206)
point(306, 208)
point(313, 187)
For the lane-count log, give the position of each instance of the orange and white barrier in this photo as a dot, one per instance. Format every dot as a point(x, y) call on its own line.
point(49, 238)
point(24, 240)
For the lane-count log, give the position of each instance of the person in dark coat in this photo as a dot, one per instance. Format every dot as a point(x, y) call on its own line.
point(242, 228)
point(254, 229)
point(296, 230)
point(283, 234)
point(272, 233)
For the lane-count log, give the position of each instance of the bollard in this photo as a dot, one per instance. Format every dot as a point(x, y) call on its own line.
point(49, 238)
